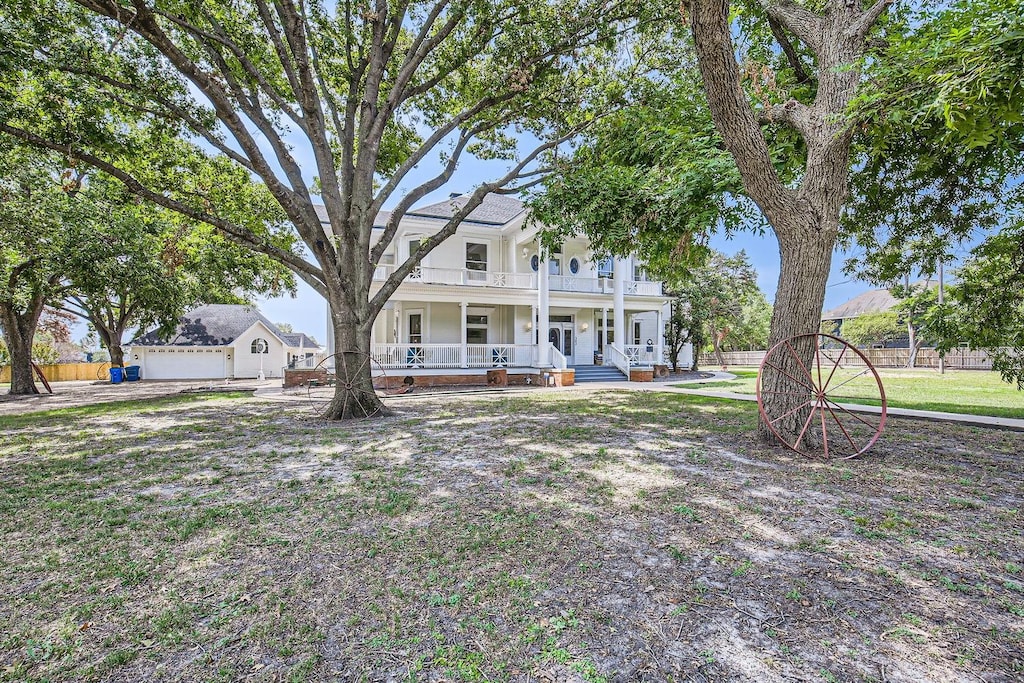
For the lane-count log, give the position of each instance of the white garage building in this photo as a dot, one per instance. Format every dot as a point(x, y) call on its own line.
point(221, 341)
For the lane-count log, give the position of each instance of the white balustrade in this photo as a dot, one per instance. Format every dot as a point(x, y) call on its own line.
point(642, 288)
point(558, 360)
point(449, 356)
point(455, 276)
point(499, 355)
point(617, 357)
point(641, 354)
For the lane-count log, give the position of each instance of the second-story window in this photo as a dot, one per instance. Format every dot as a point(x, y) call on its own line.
point(606, 268)
point(476, 258)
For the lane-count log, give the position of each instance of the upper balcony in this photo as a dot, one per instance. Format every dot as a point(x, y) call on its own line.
point(487, 278)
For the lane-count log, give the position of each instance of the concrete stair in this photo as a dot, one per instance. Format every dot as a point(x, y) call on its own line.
point(598, 373)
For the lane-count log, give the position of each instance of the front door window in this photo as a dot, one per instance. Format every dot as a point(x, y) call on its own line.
point(415, 328)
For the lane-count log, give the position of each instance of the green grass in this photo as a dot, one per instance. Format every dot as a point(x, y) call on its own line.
point(111, 408)
point(957, 391)
point(491, 538)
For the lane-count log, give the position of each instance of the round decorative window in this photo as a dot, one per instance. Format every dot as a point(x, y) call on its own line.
point(574, 265)
point(535, 263)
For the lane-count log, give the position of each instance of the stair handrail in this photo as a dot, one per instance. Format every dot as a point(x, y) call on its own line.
point(618, 358)
point(558, 360)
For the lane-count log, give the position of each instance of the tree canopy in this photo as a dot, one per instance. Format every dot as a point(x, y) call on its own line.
point(346, 98)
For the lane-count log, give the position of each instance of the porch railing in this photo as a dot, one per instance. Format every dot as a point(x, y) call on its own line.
point(500, 355)
point(450, 356)
point(617, 357)
point(640, 354)
point(307, 363)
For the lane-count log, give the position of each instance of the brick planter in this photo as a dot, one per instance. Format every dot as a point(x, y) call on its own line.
point(298, 378)
point(641, 374)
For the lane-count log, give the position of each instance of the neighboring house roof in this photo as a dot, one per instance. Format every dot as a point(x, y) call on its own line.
point(875, 301)
point(379, 222)
point(210, 325)
point(299, 339)
point(495, 209)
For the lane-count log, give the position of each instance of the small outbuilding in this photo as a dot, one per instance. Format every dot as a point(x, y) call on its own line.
point(222, 341)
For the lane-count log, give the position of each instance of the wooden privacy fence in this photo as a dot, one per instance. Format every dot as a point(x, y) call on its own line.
point(65, 372)
point(957, 359)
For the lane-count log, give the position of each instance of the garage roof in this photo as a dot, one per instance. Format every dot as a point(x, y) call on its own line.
point(210, 325)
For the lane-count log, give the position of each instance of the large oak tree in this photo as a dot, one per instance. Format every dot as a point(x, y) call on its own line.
point(369, 90)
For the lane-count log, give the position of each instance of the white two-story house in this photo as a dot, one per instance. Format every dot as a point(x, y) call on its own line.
point(486, 298)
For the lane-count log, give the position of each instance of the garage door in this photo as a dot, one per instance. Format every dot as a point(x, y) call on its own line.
point(184, 364)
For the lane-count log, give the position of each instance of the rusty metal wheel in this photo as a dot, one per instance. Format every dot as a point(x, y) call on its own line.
point(827, 426)
point(340, 376)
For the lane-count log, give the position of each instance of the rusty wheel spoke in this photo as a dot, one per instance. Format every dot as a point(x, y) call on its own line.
point(777, 404)
point(807, 372)
point(788, 413)
point(842, 428)
point(835, 367)
point(784, 372)
point(851, 414)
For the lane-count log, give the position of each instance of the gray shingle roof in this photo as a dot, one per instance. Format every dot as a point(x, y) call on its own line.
point(379, 222)
point(875, 301)
point(209, 325)
point(299, 339)
point(496, 209)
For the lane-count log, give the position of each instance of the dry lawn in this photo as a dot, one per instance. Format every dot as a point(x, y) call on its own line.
point(566, 536)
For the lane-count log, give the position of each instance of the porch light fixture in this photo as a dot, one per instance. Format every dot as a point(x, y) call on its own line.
point(584, 327)
point(528, 326)
point(526, 252)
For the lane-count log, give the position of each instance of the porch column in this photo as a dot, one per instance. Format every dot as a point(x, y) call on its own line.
point(398, 323)
point(619, 284)
point(330, 329)
point(543, 312)
point(465, 350)
point(604, 329)
point(659, 348)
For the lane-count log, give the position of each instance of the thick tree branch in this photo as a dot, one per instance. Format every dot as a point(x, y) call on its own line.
point(500, 186)
point(787, 49)
point(419, 192)
point(862, 26)
point(801, 22)
point(729, 106)
point(237, 234)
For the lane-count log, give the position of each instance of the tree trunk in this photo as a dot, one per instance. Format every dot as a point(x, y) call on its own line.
point(19, 329)
point(914, 344)
point(716, 347)
point(805, 263)
point(111, 339)
point(355, 396)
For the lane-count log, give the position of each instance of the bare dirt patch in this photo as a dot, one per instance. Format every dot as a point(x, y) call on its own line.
point(549, 536)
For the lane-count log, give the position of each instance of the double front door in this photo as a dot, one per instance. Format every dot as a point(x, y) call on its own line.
point(561, 336)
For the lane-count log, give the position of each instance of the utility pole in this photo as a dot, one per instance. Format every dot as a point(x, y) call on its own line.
point(942, 355)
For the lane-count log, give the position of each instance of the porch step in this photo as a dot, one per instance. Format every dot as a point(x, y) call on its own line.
point(598, 373)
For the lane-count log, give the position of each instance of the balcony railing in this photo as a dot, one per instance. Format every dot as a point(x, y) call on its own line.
point(487, 278)
point(451, 356)
point(455, 276)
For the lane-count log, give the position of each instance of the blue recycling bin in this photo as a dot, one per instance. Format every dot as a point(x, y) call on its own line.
point(116, 375)
point(131, 373)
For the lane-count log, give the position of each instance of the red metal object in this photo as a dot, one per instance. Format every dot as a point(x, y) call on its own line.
point(839, 431)
point(343, 370)
point(42, 377)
